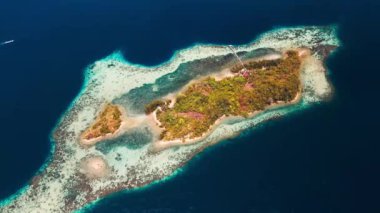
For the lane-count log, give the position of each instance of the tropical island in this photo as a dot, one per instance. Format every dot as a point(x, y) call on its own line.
point(107, 123)
point(132, 126)
point(252, 87)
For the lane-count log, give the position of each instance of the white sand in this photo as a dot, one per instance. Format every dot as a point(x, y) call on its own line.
point(104, 84)
point(94, 167)
point(126, 124)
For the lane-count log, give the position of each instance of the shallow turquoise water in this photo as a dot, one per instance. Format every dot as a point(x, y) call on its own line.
point(323, 159)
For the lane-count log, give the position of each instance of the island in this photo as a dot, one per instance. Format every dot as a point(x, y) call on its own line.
point(132, 126)
point(106, 125)
point(249, 88)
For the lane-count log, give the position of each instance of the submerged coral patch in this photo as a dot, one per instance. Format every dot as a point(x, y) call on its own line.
point(78, 175)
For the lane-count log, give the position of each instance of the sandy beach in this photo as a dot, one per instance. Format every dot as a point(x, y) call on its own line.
point(94, 167)
point(126, 123)
point(163, 144)
point(77, 173)
point(160, 145)
point(151, 119)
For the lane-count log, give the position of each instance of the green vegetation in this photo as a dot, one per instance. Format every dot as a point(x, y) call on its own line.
point(108, 121)
point(149, 108)
point(256, 65)
point(202, 103)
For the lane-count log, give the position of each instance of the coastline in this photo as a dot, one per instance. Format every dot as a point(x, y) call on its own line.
point(63, 162)
point(159, 145)
point(129, 122)
point(122, 128)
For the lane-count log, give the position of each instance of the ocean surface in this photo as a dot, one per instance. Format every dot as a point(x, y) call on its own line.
point(323, 159)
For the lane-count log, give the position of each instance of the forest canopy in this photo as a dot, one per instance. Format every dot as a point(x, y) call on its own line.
point(259, 85)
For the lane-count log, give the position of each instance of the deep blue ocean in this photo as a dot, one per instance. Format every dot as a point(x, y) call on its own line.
point(321, 160)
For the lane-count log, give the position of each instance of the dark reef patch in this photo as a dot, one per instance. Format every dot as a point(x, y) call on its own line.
point(133, 139)
point(136, 98)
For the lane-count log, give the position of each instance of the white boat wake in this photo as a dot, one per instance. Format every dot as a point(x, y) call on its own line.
point(61, 186)
point(6, 42)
